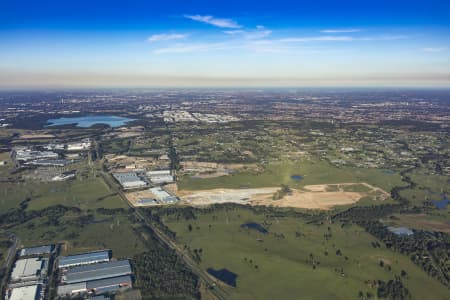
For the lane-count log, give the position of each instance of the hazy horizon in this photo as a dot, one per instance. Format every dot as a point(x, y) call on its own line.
point(230, 44)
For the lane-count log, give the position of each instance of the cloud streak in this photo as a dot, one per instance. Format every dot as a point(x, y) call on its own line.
point(189, 48)
point(257, 41)
point(260, 33)
point(218, 22)
point(166, 37)
point(323, 38)
point(341, 30)
point(434, 50)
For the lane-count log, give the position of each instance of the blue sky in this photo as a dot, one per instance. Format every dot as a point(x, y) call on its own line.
point(224, 43)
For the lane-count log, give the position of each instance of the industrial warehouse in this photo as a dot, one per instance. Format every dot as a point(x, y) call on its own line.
point(86, 275)
point(29, 269)
point(84, 259)
point(160, 176)
point(93, 274)
point(29, 275)
point(129, 180)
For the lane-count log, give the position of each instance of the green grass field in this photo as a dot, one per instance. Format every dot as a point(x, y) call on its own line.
point(429, 187)
point(107, 232)
point(275, 174)
point(88, 193)
point(283, 257)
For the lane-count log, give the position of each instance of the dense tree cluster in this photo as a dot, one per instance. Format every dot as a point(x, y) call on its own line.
point(362, 213)
point(393, 289)
point(429, 250)
point(161, 274)
point(21, 215)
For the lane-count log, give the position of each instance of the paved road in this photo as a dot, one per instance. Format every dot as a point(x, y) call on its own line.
point(12, 250)
point(217, 290)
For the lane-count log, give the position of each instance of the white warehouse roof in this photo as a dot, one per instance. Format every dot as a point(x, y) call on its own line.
point(30, 292)
point(27, 269)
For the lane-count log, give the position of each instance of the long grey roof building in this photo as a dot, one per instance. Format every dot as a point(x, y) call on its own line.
point(97, 271)
point(84, 259)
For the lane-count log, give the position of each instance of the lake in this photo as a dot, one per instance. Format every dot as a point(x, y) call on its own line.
point(88, 121)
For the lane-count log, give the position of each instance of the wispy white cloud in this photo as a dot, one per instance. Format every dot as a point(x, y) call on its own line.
point(260, 33)
point(191, 47)
point(324, 38)
point(166, 37)
point(341, 38)
point(218, 22)
point(341, 30)
point(259, 40)
point(434, 50)
point(385, 37)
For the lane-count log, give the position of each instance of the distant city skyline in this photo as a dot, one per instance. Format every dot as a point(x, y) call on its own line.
point(57, 44)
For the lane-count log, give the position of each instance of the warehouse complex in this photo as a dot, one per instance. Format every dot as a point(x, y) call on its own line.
point(84, 275)
point(93, 273)
point(29, 275)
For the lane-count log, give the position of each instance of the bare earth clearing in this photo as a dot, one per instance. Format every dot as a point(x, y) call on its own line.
point(314, 200)
point(323, 196)
point(242, 196)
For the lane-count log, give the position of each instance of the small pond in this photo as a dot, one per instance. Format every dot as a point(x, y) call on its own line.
point(224, 275)
point(441, 204)
point(255, 226)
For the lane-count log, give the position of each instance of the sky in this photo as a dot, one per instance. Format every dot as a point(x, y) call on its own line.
point(144, 43)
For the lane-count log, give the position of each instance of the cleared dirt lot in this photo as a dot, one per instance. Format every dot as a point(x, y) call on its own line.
point(323, 196)
point(313, 200)
point(242, 196)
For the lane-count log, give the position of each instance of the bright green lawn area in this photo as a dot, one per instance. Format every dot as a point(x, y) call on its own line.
point(275, 174)
point(284, 269)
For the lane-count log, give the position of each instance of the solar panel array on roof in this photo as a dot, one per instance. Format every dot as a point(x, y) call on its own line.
point(36, 250)
point(97, 271)
point(83, 259)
